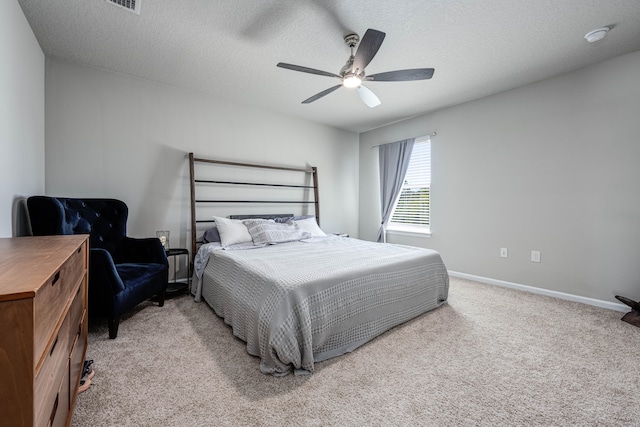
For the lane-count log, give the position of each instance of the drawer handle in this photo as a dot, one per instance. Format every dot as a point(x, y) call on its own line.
point(53, 347)
point(55, 278)
point(79, 249)
point(55, 409)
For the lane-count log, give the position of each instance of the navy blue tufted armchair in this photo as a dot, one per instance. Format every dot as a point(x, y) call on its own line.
point(123, 271)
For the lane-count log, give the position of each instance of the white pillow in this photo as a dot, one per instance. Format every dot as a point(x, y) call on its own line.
point(232, 231)
point(311, 226)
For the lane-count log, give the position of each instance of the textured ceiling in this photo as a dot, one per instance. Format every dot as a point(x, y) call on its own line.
point(230, 48)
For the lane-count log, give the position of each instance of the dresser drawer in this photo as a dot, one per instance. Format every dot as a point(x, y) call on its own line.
point(76, 312)
point(61, 405)
point(52, 371)
point(76, 359)
point(75, 266)
point(53, 297)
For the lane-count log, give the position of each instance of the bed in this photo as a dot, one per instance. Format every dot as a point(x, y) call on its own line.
point(297, 296)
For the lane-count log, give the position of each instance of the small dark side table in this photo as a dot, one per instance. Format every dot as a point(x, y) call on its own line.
point(178, 285)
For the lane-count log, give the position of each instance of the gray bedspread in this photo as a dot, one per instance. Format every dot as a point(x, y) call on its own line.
point(299, 303)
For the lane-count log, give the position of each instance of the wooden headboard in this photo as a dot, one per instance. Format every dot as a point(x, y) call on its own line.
point(203, 176)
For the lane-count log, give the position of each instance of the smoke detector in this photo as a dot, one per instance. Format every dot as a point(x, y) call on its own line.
point(130, 5)
point(597, 34)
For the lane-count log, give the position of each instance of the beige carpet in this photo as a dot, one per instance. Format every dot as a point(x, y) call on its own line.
point(491, 356)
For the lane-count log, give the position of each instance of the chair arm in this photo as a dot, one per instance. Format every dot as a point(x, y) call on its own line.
point(146, 250)
point(104, 276)
point(104, 283)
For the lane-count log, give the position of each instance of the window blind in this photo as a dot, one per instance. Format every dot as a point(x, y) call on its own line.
point(413, 204)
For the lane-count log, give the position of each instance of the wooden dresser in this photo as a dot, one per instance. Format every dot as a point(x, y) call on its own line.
point(43, 328)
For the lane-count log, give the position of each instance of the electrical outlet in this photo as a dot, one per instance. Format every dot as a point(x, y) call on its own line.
point(503, 252)
point(535, 256)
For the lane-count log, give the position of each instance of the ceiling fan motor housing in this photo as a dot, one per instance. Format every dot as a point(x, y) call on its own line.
point(351, 40)
point(347, 70)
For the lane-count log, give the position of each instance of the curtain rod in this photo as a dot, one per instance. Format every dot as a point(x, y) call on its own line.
point(429, 135)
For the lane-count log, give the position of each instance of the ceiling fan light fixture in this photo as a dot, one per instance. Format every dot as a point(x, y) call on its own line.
point(351, 81)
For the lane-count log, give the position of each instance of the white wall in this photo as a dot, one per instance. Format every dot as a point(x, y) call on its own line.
point(21, 117)
point(112, 135)
point(553, 166)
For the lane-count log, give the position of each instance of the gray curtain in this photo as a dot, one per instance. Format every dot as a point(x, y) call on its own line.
point(394, 162)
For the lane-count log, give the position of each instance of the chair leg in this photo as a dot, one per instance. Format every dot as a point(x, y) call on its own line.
point(161, 296)
point(113, 327)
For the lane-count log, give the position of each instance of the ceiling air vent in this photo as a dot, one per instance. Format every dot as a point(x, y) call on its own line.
point(130, 5)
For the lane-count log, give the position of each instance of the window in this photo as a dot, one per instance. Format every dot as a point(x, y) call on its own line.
point(411, 211)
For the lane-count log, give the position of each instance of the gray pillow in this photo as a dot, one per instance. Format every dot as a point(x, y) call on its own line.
point(264, 231)
point(211, 235)
point(293, 218)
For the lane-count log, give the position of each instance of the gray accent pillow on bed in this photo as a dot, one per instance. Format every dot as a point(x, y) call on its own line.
point(264, 231)
point(211, 235)
point(292, 217)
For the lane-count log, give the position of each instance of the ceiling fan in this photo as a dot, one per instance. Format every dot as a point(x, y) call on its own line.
point(352, 74)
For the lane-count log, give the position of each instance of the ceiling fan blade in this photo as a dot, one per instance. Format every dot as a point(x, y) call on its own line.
point(321, 94)
point(367, 96)
point(307, 70)
point(367, 49)
point(402, 75)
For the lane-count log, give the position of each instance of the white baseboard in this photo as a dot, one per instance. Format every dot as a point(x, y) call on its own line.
point(541, 291)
